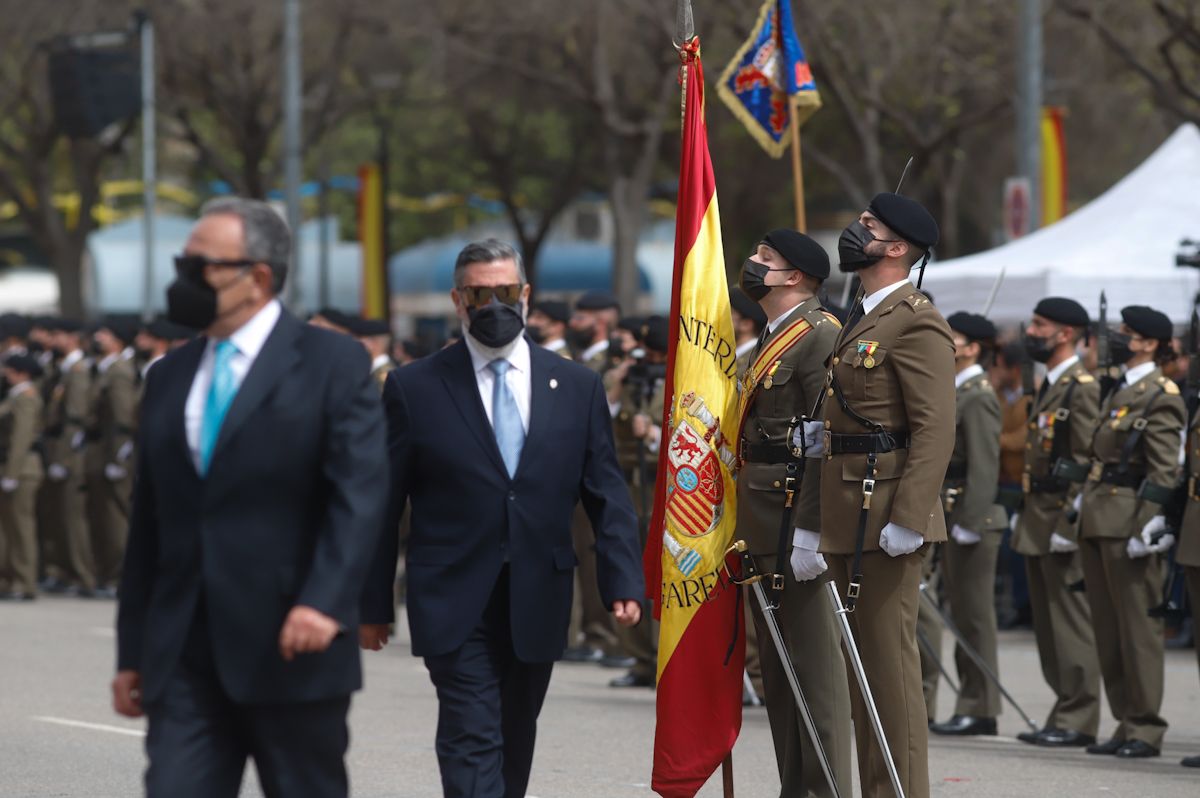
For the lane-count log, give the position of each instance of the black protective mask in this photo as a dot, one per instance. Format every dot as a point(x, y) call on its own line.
point(1038, 349)
point(496, 324)
point(753, 279)
point(852, 248)
point(580, 338)
point(535, 334)
point(1118, 348)
point(192, 303)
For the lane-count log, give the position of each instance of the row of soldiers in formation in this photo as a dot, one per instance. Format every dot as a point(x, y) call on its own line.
point(68, 421)
point(896, 405)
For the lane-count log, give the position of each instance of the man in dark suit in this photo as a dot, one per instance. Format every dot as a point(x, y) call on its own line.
point(258, 503)
point(493, 442)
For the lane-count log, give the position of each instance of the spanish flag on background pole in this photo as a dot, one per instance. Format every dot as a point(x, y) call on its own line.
point(1054, 166)
point(370, 225)
point(701, 648)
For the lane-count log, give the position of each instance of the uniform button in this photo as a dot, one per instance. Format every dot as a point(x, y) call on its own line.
point(1113, 491)
point(836, 360)
point(512, 495)
point(829, 392)
point(1029, 446)
point(777, 484)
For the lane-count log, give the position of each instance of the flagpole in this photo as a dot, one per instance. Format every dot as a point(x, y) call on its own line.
point(797, 171)
point(727, 775)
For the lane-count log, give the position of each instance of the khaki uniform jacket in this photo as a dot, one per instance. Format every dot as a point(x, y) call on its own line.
point(113, 418)
point(909, 387)
point(1189, 533)
point(67, 414)
point(791, 392)
point(380, 375)
point(974, 472)
point(1110, 511)
point(623, 438)
point(20, 426)
point(1046, 513)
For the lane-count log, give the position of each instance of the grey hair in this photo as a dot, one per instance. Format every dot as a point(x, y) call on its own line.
point(487, 251)
point(267, 238)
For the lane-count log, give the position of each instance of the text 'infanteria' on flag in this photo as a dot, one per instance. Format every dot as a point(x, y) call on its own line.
point(703, 335)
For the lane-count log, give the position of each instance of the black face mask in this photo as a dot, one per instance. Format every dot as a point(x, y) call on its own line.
point(1038, 349)
point(580, 338)
point(753, 279)
point(852, 248)
point(496, 324)
point(1118, 348)
point(192, 303)
point(535, 334)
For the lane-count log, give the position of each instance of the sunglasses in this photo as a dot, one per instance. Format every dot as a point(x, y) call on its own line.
point(477, 296)
point(193, 265)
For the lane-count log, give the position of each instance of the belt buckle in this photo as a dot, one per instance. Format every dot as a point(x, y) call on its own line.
point(868, 489)
point(827, 441)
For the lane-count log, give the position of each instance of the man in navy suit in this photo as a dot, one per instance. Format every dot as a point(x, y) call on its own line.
point(260, 493)
point(493, 442)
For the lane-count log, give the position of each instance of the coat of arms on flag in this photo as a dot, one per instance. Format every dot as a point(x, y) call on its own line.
point(767, 73)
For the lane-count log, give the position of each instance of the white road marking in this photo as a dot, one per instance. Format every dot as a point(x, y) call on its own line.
point(79, 724)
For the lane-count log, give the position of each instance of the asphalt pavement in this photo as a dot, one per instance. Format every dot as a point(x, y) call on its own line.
point(61, 738)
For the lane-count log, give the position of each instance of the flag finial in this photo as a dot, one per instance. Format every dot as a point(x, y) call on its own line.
point(685, 26)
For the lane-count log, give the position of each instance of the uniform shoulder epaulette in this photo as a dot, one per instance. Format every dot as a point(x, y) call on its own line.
point(917, 301)
point(1168, 385)
point(831, 318)
point(1083, 378)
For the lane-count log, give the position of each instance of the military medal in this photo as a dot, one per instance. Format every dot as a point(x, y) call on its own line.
point(769, 380)
point(867, 349)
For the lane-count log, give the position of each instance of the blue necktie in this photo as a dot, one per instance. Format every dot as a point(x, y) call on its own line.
point(506, 419)
point(220, 396)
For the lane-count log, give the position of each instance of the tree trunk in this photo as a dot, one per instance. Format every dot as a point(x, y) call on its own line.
point(627, 197)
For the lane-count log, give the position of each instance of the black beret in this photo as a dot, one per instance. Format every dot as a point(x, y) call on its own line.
point(1063, 311)
point(26, 364)
point(44, 322)
point(907, 218)
point(1147, 322)
point(747, 307)
point(972, 325)
point(597, 300)
point(633, 324)
point(657, 333)
point(335, 316)
point(67, 325)
point(166, 330)
point(13, 325)
point(368, 328)
point(552, 308)
point(800, 251)
point(124, 326)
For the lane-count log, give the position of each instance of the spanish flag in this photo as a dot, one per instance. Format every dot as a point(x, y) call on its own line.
point(1054, 167)
point(370, 234)
point(701, 648)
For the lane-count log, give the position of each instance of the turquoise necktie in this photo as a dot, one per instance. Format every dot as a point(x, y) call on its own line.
point(506, 419)
point(220, 396)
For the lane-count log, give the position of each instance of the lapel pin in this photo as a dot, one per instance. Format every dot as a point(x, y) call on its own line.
point(553, 384)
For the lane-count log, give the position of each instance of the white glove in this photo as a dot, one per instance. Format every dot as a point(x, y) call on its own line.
point(1012, 524)
point(807, 562)
point(8, 485)
point(57, 472)
point(1078, 503)
point(77, 441)
point(114, 472)
point(1156, 526)
point(964, 537)
point(810, 436)
point(1136, 549)
point(897, 540)
point(1060, 545)
point(124, 452)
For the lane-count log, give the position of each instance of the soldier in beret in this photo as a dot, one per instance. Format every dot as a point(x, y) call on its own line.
point(976, 523)
point(779, 506)
point(888, 424)
point(20, 477)
point(548, 322)
point(376, 337)
point(1058, 444)
point(111, 425)
point(1135, 465)
point(1188, 554)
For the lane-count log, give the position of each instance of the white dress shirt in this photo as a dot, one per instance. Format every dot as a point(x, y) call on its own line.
point(872, 300)
point(557, 345)
point(71, 359)
point(149, 364)
point(106, 363)
point(1137, 373)
point(519, 377)
point(973, 370)
point(1054, 374)
point(248, 340)
point(593, 350)
point(379, 362)
point(744, 347)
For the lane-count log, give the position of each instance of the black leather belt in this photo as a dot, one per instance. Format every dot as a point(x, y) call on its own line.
point(1111, 475)
point(956, 472)
point(866, 443)
point(767, 453)
point(1047, 485)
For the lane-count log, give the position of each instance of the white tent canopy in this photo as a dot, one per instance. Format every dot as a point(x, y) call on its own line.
point(1124, 242)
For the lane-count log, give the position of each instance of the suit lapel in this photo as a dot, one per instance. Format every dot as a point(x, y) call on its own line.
point(276, 358)
point(541, 401)
point(459, 375)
